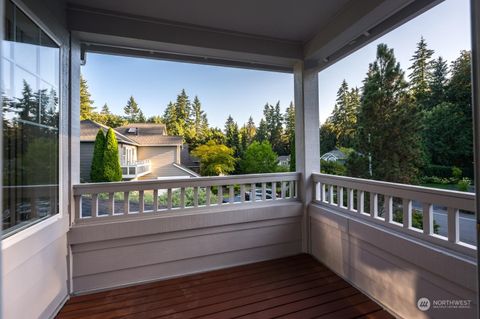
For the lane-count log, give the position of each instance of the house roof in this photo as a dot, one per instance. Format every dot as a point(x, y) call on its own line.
point(149, 134)
point(284, 158)
point(89, 130)
point(336, 153)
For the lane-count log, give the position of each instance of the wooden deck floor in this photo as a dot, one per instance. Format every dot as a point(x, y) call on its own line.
point(293, 287)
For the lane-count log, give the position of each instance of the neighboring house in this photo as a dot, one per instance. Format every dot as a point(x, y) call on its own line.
point(284, 160)
point(189, 161)
point(335, 156)
point(145, 151)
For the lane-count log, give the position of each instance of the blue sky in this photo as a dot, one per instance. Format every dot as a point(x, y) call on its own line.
point(243, 93)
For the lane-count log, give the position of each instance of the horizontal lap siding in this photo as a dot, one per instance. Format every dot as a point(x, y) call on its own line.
point(393, 269)
point(123, 261)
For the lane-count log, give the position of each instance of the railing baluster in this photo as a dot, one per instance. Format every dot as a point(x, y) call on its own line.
point(282, 186)
point(220, 195)
point(373, 205)
point(350, 198)
point(182, 197)
point(290, 190)
point(78, 207)
point(323, 190)
point(360, 201)
point(453, 225)
point(340, 196)
point(274, 190)
point(231, 194)
point(242, 193)
point(318, 191)
point(330, 195)
point(407, 213)
point(141, 204)
point(155, 200)
point(427, 219)
point(388, 206)
point(264, 191)
point(195, 197)
point(126, 204)
point(94, 205)
point(169, 199)
point(208, 191)
point(253, 192)
point(111, 200)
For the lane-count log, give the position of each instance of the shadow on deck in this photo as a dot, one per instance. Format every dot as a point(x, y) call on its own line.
point(292, 287)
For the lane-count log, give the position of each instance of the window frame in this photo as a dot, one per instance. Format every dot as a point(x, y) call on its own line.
point(35, 226)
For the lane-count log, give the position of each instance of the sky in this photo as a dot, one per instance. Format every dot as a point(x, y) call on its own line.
point(242, 93)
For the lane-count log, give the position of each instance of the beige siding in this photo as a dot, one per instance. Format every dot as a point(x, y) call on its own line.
point(390, 267)
point(108, 255)
point(162, 158)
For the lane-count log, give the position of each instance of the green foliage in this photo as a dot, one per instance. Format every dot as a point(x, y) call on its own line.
point(259, 158)
point(133, 112)
point(97, 168)
point(112, 172)
point(456, 173)
point(344, 116)
point(46, 171)
point(357, 165)
point(464, 184)
point(333, 168)
point(86, 107)
point(437, 170)
point(417, 220)
point(388, 122)
point(215, 159)
point(189, 197)
point(420, 75)
point(328, 137)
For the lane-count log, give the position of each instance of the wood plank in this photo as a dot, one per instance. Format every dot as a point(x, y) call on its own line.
point(380, 314)
point(203, 278)
point(291, 287)
point(166, 293)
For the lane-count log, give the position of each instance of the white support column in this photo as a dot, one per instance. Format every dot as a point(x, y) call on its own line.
point(475, 29)
point(307, 139)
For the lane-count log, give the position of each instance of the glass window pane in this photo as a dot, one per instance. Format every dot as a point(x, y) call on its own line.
point(30, 126)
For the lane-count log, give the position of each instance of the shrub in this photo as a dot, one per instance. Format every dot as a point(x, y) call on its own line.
point(456, 173)
point(96, 170)
point(111, 162)
point(334, 168)
point(437, 170)
point(463, 184)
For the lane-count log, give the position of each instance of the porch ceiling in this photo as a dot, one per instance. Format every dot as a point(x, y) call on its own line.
point(291, 20)
point(265, 33)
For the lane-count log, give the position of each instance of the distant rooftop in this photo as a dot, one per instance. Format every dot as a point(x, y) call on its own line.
point(89, 130)
point(149, 134)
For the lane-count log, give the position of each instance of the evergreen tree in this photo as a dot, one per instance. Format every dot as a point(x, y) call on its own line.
point(132, 111)
point(438, 82)
point(290, 134)
point(141, 117)
point(388, 121)
point(200, 122)
point(250, 131)
point(155, 119)
point(112, 170)
point(105, 110)
point(170, 120)
point(27, 105)
point(328, 137)
point(183, 111)
point(344, 115)
point(86, 107)
point(420, 76)
point(96, 170)
point(262, 132)
point(232, 136)
point(274, 125)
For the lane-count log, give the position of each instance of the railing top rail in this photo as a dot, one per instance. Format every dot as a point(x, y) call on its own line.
point(89, 188)
point(352, 182)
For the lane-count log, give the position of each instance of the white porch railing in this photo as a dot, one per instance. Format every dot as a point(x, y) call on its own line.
point(102, 201)
point(136, 169)
point(425, 213)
